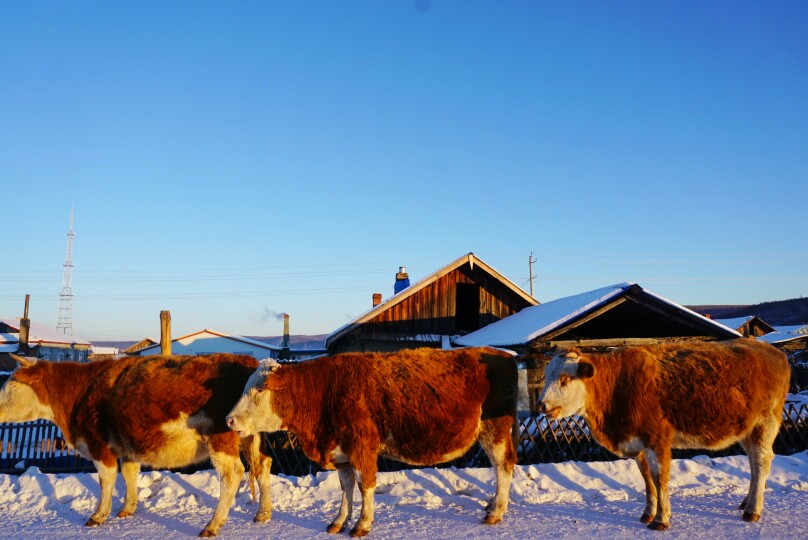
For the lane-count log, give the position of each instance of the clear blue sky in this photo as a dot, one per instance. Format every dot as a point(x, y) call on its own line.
point(231, 160)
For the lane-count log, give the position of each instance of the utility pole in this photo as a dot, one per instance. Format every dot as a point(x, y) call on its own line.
point(65, 319)
point(530, 261)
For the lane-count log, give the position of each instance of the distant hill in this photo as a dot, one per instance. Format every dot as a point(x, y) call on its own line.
point(780, 313)
point(295, 342)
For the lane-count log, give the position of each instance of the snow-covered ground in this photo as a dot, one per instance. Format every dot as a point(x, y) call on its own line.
point(567, 500)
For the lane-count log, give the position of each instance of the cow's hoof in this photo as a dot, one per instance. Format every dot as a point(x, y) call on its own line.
point(207, 533)
point(491, 519)
point(657, 526)
point(335, 528)
point(750, 516)
point(262, 517)
point(646, 518)
point(356, 532)
point(92, 523)
point(124, 514)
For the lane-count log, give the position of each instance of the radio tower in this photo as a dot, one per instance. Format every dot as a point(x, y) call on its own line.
point(65, 322)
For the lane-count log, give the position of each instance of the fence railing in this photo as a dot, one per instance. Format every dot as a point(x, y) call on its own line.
point(41, 444)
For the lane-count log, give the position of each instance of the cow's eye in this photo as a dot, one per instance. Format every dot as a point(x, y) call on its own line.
point(564, 380)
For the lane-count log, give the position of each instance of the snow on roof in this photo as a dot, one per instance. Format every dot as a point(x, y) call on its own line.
point(735, 323)
point(253, 342)
point(780, 337)
point(794, 329)
point(39, 333)
point(534, 321)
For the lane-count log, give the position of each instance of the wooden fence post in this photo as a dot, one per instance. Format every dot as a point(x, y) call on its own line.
point(165, 333)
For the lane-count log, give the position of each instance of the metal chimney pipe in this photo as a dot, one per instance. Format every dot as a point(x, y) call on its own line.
point(285, 342)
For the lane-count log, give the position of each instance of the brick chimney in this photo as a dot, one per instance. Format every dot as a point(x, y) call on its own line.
point(377, 299)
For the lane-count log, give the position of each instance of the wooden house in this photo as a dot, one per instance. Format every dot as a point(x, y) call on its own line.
point(750, 326)
point(459, 298)
point(622, 314)
point(142, 344)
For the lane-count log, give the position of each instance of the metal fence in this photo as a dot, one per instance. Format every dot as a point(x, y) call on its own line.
point(41, 444)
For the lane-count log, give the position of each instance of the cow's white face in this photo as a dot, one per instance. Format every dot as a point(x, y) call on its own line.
point(564, 392)
point(19, 402)
point(253, 412)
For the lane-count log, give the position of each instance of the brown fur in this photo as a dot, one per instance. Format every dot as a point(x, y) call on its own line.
point(706, 395)
point(115, 409)
point(715, 392)
point(420, 406)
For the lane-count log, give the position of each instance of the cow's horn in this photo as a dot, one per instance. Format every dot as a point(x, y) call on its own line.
point(21, 360)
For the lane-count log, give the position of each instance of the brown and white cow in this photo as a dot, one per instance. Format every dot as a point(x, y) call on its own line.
point(159, 411)
point(640, 402)
point(420, 407)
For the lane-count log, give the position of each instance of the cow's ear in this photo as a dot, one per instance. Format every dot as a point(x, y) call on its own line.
point(272, 383)
point(585, 370)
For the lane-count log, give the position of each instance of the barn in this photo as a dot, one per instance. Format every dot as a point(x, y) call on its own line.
point(459, 298)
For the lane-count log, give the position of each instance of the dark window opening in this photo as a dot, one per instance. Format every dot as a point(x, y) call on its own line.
point(467, 307)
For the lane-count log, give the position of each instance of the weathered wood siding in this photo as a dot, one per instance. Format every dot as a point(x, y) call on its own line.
point(431, 310)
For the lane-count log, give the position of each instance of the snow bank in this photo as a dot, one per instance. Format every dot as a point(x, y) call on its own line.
point(602, 499)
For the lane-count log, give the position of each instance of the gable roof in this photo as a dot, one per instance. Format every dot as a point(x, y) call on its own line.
point(793, 329)
point(781, 337)
point(537, 321)
point(39, 334)
point(242, 339)
point(469, 258)
point(738, 322)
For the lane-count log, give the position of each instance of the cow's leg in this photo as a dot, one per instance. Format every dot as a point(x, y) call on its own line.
point(260, 466)
point(366, 477)
point(230, 470)
point(659, 461)
point(106, 477)
point(347, 480)
point(497, 441)
point(758, 446)
point(650, 489)
point(129, 471)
